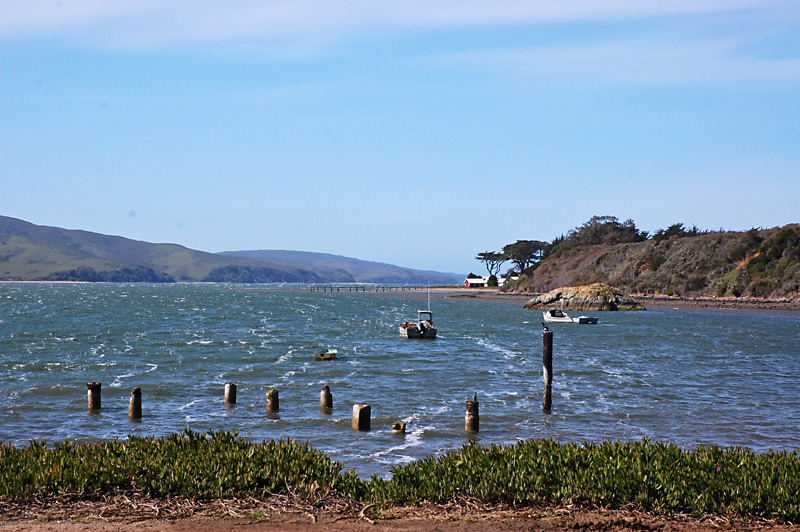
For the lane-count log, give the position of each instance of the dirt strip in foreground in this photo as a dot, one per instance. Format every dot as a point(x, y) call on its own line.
point(122, 512)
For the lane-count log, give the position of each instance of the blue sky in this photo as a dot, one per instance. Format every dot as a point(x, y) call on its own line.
point(417, 133)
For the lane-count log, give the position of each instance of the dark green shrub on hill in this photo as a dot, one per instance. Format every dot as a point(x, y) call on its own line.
point(604, 230)
point(135, 274)
point(655, 260)
point(250, 274)
point(677, 230)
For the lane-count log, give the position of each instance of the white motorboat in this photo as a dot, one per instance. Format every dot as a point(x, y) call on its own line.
point(559, 316)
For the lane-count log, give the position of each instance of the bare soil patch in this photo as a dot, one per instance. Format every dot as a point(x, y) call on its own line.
point(129, 512)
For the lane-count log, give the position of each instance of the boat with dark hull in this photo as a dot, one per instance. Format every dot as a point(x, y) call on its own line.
point(422, 329)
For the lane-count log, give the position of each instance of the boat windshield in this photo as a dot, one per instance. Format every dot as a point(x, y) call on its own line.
point(425, 315)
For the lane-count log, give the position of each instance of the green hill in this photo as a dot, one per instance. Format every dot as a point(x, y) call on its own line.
point(31, 252)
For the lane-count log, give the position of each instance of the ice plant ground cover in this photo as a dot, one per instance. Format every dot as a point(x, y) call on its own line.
point(655, 477)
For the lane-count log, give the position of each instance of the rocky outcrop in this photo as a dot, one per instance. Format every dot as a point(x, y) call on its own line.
point(596, 296)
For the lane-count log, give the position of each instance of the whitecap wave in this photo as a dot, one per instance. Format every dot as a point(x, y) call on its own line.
point(117, 383)
point(188, 405)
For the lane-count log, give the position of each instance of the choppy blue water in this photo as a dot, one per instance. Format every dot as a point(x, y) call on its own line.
point(688, 376)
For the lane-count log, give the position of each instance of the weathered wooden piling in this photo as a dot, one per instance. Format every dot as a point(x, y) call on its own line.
point(135, 404)
point(361, 417)
point(325, 398)
point(547, 369)
point(273, 402)
point(230, 393)
point(472, 418)
point(399, 427)
point(93, 391)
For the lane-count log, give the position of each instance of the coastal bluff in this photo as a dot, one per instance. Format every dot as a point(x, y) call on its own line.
point(597, 296)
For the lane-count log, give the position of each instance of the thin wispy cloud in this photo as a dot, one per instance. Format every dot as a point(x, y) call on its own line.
point(664, 47)
point(634, 62)
point(148, 23)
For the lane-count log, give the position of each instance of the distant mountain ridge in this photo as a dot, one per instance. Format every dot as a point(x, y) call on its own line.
point(30, 252)
point(362, 271)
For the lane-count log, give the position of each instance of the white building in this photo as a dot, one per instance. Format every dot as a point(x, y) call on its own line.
point(481, 282)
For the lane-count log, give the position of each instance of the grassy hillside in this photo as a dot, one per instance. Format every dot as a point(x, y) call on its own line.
point(31, 252)
point(23, 258)
point(762, 263)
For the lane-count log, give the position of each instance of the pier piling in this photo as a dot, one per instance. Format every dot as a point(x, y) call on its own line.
point(399, 427)
point(547, 369)
point(326, 400)
point(361, 417)
point(93, 391)
point(135, 404)
point(273, 402)
point(230, 393)
point(472, 418)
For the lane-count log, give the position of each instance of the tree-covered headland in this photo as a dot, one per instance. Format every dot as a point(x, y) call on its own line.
point(678, 260)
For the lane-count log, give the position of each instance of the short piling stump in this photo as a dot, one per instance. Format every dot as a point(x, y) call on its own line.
point(361, 417)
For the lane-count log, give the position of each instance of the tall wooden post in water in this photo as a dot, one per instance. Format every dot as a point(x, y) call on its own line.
point(230, 393)
point(273, 401)
point(93, 391)
point(547, 368)
point(135, 404)
point(472, 417)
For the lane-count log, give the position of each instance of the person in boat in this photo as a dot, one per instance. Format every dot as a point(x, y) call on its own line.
point(420, 327)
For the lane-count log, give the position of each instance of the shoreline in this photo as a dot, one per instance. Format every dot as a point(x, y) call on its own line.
point(721, 302)
point(657, 300)
point(726, 302)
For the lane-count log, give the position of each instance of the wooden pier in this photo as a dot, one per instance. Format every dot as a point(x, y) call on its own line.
point(365, 288)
